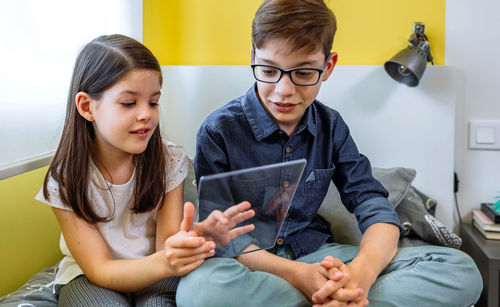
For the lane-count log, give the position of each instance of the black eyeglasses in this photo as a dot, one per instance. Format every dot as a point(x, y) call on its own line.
point(302, 76)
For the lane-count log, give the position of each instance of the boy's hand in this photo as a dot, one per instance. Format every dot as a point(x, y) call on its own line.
point(310, 278)
point(219, 226)
point(351, 294)
point(185, 251)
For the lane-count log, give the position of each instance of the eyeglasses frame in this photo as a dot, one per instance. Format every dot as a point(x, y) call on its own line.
point(289, 72)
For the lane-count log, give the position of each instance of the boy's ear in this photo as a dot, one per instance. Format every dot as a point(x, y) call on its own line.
point(251, 54)
point(84, 105)
point(330, 65)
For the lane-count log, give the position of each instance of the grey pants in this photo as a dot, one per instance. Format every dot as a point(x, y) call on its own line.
point(81, 292)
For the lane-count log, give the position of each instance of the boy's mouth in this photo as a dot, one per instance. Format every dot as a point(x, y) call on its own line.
point(284, 107)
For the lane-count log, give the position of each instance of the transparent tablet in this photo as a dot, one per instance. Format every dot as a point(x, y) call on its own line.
point(269, 189)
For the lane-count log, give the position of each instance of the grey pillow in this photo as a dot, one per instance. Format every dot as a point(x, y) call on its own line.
point(344, 225)
point(417, 221)
point(190, 190)
point(38, 291)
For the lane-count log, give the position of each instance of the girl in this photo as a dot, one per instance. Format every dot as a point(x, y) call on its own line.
point(117, 189)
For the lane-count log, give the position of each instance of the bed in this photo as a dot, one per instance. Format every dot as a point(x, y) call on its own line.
point(407, 133)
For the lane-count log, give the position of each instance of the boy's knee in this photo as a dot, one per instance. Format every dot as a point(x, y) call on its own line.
point(208, 284)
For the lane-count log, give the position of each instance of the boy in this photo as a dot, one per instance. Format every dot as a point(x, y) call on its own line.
point(277, 120)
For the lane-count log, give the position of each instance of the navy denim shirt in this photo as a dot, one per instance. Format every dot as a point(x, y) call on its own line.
point(241, 134)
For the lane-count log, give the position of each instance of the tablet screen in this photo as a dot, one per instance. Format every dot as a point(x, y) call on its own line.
point(269, 189)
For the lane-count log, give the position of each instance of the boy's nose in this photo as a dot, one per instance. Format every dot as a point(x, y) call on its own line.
point(285, 86)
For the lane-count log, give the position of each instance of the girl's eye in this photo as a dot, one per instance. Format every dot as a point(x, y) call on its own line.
point(128, 104)
point(154, 104)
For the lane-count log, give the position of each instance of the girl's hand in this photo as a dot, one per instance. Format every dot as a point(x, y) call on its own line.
point(185, 251)
point(219, 226)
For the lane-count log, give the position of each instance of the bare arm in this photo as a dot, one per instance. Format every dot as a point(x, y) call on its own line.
point(178, 255)
point(92, 255)
point(305, 277)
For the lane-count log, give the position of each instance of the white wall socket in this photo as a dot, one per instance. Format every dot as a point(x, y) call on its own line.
point(484, 134)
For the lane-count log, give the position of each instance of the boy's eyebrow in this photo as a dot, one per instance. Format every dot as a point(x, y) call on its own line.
point(301, 64)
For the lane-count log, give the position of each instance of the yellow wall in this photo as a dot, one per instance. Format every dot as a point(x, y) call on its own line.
point(217, 32)
point(29, 233)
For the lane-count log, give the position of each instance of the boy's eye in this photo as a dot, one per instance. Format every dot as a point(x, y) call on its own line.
point(154, 104)
point(128, 104)
point(303, 73)
point(269, 71)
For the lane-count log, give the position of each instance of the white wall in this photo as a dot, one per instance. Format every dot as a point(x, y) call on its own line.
point(40, 42)
point(473, 49)
point(394, 125)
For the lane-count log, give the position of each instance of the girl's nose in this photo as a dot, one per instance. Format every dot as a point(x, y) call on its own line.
point(144, 114)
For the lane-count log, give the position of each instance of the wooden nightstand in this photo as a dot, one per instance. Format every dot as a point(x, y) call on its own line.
point(486, 254)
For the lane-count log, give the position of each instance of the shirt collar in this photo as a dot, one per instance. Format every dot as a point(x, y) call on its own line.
point(261, 122)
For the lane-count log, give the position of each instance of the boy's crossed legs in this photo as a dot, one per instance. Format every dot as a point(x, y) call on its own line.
point(417, 276)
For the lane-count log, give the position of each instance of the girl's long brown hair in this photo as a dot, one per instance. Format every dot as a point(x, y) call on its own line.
point(99, 65)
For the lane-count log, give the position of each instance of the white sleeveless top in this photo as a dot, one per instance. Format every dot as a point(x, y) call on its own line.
point(127, 235)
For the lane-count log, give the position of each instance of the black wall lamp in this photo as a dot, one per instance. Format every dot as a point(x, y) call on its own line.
point(408, 65)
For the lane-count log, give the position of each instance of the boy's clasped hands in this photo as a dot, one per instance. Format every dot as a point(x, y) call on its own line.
point(187, 249)
point(330, 284)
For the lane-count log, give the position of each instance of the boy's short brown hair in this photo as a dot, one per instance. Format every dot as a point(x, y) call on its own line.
point(307, 24)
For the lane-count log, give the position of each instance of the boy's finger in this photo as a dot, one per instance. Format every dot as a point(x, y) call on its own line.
point(187, 220)
point(240, 231)
point(328, 289)
point(217, 217)
point(330, 262)
point(348, 295)
point(243, 216)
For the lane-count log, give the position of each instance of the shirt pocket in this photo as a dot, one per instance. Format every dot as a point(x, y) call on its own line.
point(316, 186)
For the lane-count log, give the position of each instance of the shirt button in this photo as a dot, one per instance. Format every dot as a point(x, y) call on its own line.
point(287, 214)
point(279, 241)
point(280, 132)
point(285, 184)
point(287, 149)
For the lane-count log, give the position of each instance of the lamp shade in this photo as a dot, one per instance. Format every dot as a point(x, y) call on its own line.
point(407, 66)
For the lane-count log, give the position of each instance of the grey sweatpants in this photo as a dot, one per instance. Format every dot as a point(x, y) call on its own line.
point(82, 292)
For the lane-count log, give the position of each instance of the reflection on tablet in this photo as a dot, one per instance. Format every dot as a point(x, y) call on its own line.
point(269, 189)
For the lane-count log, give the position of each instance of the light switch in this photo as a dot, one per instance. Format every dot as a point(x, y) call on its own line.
point(483, 134)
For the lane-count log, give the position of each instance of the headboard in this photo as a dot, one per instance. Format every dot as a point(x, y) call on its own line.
point(392, 124)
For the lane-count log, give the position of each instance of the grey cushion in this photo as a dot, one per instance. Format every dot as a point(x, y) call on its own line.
point(38, 291)
point(419, 222)
point(344, 225)
point(190, 190)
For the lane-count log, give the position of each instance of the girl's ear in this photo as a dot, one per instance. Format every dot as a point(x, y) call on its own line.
point(83, 105)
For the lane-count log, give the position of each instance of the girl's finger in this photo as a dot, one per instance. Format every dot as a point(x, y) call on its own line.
point(188, 252)
point(189, 267)
point(187, 220)
point(183, 241)
point(178, 263)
